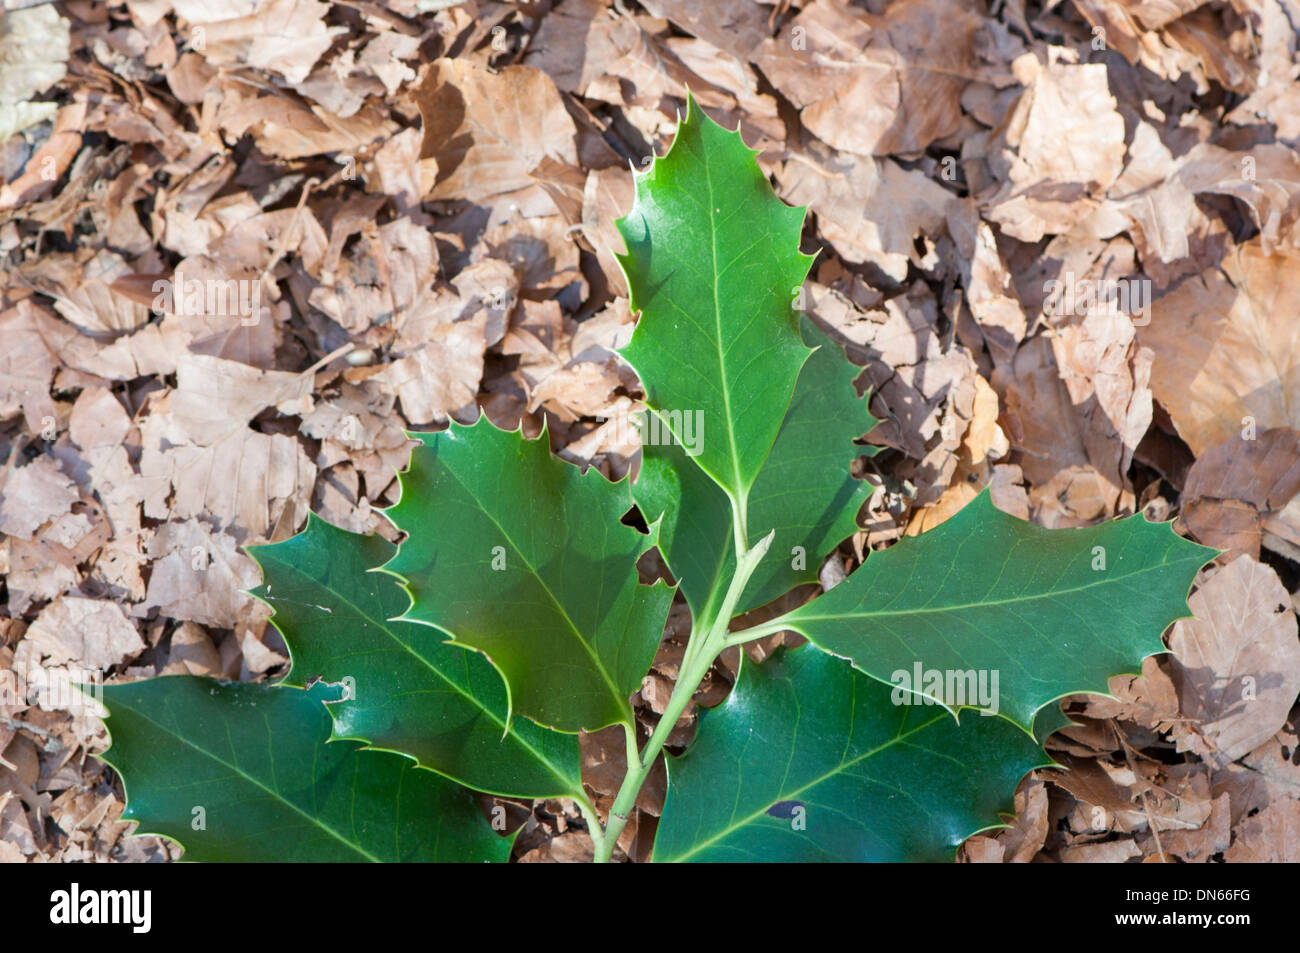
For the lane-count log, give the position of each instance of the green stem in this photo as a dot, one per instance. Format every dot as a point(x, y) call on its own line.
point(740, 525)
point(592, 817)
point(702, 648)
point(771, 627)
point(639, 765)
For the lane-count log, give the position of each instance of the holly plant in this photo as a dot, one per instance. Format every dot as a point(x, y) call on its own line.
point(512, 616)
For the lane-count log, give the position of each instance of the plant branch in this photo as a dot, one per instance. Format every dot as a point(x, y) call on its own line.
point(703, 646)
point(592, 817)
point(739, 524)
point(771, 627)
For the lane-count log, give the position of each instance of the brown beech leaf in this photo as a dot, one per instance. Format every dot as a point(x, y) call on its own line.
point(32, 496)
point(1237, 663)
point(1270, 837)
point(1058, 150)
point(489, 131)
point(284, 36)
point(1227, 350)
point(1234, 487)
point(900, 75)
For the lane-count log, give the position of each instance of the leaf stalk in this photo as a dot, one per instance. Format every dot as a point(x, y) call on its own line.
point(702, 648)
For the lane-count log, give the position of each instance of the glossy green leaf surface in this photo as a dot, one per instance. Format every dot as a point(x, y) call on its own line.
point(243, 772)
point(804, 491)
point(809, 760)
point(408, 690)
point(523, 557)
point(713, 264)
point(1052, 612)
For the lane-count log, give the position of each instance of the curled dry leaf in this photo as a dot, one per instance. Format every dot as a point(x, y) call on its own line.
point(1237, 663)
point(1227, 352)
point(1271, 836)
point(900, 76)
point(33, 495)
point(1059, 149)
point(484, 150)
point(1235, 486)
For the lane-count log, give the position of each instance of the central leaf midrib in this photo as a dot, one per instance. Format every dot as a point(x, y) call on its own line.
point(880, 613)
point(505, 728)
point(737, 486)
point(619, 699)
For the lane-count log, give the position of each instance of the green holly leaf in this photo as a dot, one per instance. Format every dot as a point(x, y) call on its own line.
point(407, 690)
point(804, 491)
point(515, 553)
point(244, 772)
point(809, 760)
point(1049, 720)
point(1052, 612)
point(712, 264)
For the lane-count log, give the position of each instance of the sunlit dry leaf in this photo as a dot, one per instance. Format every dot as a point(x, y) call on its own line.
point(869, 209)
point(198, 574)
point(1227, 352)
point(1237, 664)
point(481, 148)
point(1060, 148)
point(1233, 487)
point(33, 495)
point(283, 36)
point(33, 56)
point(90, 632)
point(899, 75)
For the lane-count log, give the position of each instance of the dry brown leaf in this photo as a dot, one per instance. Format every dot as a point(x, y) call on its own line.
point(215, 398)
point(191, 652)
point(1059, 149)
point(900, 75)
point(1237, 663)
point(27, 364)
point(283, 36)
point(1171, 38)
point(736, 27)
point(989, 292)
point(1269, 773)
point(1107, 852)
point(1149, 700)
point(1024, 838)
point(923, 391)
point(871, 210)
point(1227, 352)
point(484, 150)
point(81, 286)
point(607, 195)
point(90, 632)
point(1068, 486)
point(1198, 846)
point(1270, 837)
point(1107, 377)
point(198, 574)
point(242, 481)
point(32, 496)
point(579, 42)
point(1234, 487)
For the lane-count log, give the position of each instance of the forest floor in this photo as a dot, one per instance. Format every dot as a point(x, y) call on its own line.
point(1060, 238)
